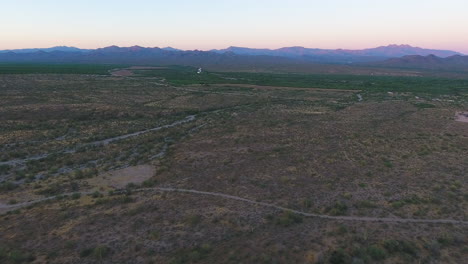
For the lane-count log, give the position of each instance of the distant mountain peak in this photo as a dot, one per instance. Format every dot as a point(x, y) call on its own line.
point(171, 49)
point(111, 47)
point(399, 46)
point(136, 48)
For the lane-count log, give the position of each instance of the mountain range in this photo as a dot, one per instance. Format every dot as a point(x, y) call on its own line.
point(58, 48)
point(385, 56)
point(342, 55)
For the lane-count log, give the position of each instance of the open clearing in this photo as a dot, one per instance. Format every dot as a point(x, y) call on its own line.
point(119, 179)
point(127, 72)
point(461, 117)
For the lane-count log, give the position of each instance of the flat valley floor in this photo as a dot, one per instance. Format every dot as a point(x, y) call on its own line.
point(136, 169)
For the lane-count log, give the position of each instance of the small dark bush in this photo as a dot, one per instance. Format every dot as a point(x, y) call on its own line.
point(340, 257)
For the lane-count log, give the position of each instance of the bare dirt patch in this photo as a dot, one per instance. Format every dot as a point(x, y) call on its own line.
point(122, 73)
point(120, 178)
point(461, 117)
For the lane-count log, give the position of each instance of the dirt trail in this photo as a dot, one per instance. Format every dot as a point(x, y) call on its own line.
point(5, 208)
point(121, 73)
point(17, 162)
point(9, 207)
point(344, 218)
point(176, 123)
point(127, 72)
point(285, 87)
point(238, 94)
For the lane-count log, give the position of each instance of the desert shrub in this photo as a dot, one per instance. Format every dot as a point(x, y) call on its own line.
point(3, 253)
point(51, 190)
point(74, 186)
point(154, 235)
point(192, 255)
point(19, 175)
point(96, 194)
point(86, 252)
point(414, 199)
point(424, 105)
point(52, 254)
point(376, 253)
point(433, 247)
point(15, 256)
point(101, 252)
point(397, 204)
point(307, 203)
point(388, 164)
point(70, 244)
point(131, 185)
point(346, 195)
point(78, 174)
point(7, 186)
point(287, 219)
point(446, 240)
point(126, 199)
point(339, 208)
point(4, 169)
point(86, 173)
point(340, 257)
point(366, 204)
point(400, 246)
point(193, 220)
point(149, 183)
point(362, 185)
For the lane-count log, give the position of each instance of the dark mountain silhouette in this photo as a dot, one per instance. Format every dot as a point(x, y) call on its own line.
point(341, 55)
point(58, 48)
point(140, 56)
point(456, 62)
point(233, 55)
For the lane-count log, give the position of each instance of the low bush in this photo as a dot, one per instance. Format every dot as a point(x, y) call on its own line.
point(288, 218)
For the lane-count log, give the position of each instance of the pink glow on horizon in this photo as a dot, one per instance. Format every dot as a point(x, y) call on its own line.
point(218, 24)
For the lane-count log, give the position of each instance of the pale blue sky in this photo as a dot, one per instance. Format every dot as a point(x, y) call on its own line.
point(207, 24)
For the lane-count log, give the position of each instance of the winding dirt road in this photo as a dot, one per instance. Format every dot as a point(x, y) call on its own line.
point(6, 208)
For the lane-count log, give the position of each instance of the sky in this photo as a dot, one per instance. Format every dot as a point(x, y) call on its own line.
point(210, 24)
